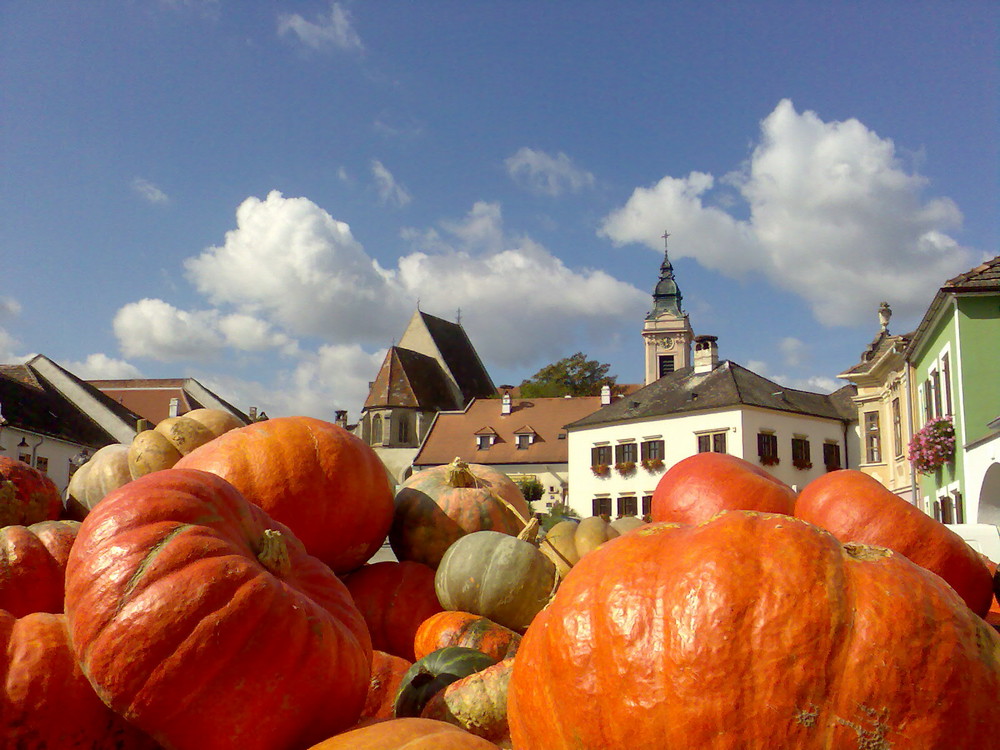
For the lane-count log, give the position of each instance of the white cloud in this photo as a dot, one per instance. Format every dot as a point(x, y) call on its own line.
point(103, 367)
point(834, 216)
point(546, 174)
point(149, 192)
point(155, 329)
point(793, 350)
point(389, 191)
point(813, 384)
point(333, 30)
point(288, 261)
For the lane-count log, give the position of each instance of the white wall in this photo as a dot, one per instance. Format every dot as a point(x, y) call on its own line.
point(57, 452)
point(977, 462)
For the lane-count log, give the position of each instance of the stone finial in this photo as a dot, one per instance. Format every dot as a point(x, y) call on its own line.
point(884, 313)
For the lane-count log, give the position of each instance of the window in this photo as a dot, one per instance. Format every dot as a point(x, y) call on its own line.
point(652, 450)
point(647, 504)
point(667, 365)
point(602, 506)
point(767, 448)
point(873, 438)
point(376, 429)
point(627, 505)
point(24, 458)
point(897, 428)
point(42, 464)
point(403, 429)
point(936, 390)
point(712, 442)
point(928, 401)
point(483, 442)
point(626, 453)
point(600, 455)
point(831, 456)
point(523, 441)
point(946, 382)
point(800, 453)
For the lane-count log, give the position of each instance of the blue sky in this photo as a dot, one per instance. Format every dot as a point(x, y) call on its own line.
point(258, 194)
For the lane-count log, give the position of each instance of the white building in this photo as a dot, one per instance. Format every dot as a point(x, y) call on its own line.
point(618, 453)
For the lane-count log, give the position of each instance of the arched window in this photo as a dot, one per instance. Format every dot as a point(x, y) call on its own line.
point(377, 429)
point(403, 429)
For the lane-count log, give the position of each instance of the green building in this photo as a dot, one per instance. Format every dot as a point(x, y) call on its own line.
point(954, 357)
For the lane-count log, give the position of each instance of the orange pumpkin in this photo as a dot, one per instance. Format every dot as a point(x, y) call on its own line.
point(454, 628)
point(394, 598)
point(386, 677)
point(753, 630)
point(437, 506)
point(700, 486)
point(315, 477)
point(45, 701)
point(180, 596)
point(27, 495)
point(33, 566)
point(407, 734)
point(856, 507)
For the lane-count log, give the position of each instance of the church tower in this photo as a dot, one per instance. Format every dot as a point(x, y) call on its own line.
point(666, 330)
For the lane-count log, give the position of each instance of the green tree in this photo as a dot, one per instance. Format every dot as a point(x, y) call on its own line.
point(531, 488)
point(570, 376)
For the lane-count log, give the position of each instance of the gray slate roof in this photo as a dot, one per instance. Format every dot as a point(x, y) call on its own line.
point(728, 385)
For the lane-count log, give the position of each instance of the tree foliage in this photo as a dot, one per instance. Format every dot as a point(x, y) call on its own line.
point(570, 376)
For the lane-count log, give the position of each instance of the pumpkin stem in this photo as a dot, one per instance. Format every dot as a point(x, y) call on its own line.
point(273, 552)
point(530, 532)
point(459, 474)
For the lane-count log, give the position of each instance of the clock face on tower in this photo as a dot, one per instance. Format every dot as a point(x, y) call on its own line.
point(668, 342)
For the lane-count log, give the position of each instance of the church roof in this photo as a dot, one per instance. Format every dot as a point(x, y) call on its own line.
point(410, 379)
point(727, 385)
point(460, 357)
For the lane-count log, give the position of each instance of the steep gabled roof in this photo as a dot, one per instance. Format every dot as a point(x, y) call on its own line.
point(727, 385)
point(410, 379)
point(454, 433)
point(41, 397)
point(882, 346)
point(460, 357)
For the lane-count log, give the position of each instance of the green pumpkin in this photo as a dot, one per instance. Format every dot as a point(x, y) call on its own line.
point(497, 576)
point(435, 672)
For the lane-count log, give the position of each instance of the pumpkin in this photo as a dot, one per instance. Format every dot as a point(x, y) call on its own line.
point(451, 628)
point(394, 598)
point(173, 437)
point(325, 484)
point(27, 495)
point(438, 505)
point(498, 576)
point(568, 541)
point(181, 595)
point(625, 524)
point(753, 630)
point(386, 676)
point(700, 486)
point(45, 701)
point(477, 703)
point(407, 734)
point(433, 673)
point(856, 507)
point(33, 566)
point(106, 470)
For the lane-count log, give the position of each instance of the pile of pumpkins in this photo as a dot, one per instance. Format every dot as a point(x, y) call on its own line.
point(229, 600)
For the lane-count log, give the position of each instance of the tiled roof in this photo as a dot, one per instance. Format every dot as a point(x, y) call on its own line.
point(454, 433)
point(882, 344)
point(411, 379)
point(727, 385)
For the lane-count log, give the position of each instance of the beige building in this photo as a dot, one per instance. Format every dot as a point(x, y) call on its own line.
point(884, 415)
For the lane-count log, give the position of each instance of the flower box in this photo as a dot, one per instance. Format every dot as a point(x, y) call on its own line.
point(625, 468)
point(600, 470)
point(768, 460)
point(652, 464)
point(933, 445)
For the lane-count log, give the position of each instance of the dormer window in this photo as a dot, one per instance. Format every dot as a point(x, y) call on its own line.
point(525, 436)
point(523, 441)
point(485, 437)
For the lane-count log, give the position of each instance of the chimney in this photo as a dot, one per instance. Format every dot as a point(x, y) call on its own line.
point(340, 418)
point(605, 395)
point(505, 403)
point(252, 413)
point(175, 407)
point(706, 353)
